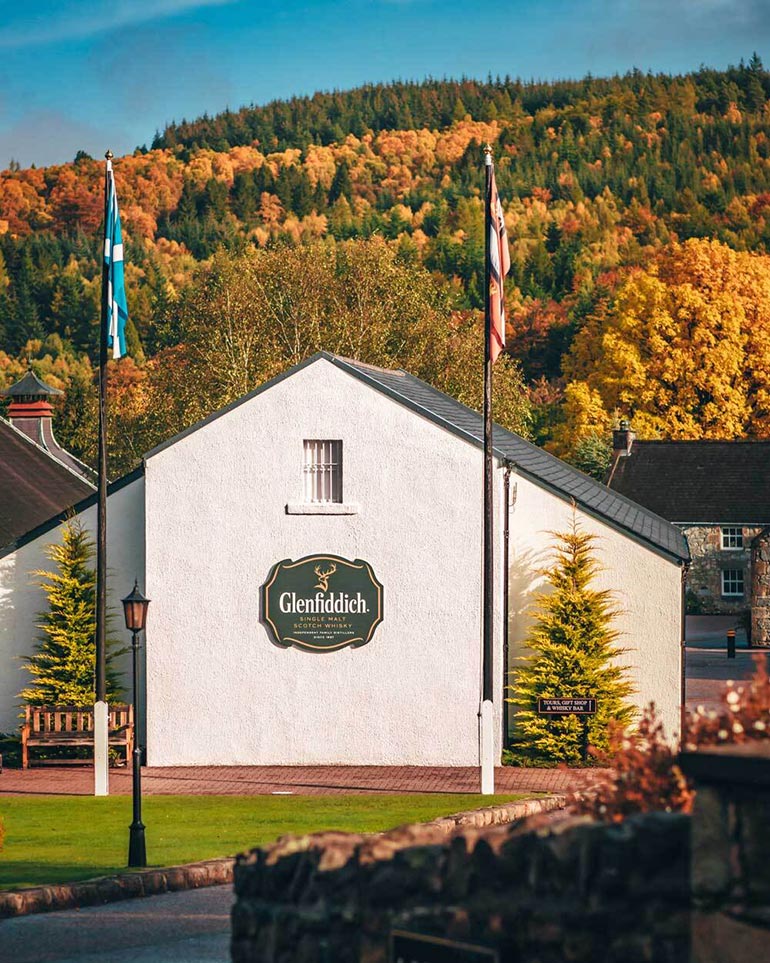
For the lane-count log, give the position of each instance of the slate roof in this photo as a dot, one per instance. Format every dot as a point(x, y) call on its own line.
point(707, 482)
point(538, 465)
point(30, 384)
point(33, 485)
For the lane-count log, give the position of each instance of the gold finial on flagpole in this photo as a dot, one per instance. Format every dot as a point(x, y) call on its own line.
point(488, 154)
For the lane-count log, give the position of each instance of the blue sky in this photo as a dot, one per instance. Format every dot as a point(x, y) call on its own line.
point(93, 74)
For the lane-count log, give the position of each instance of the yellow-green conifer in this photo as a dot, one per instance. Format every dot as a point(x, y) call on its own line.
point(573, 655)
point(63, 665)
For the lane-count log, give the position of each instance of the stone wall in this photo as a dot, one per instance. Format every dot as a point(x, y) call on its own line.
point(704, 580)
point(536, 890)
point(760, 589)
point(731, 853)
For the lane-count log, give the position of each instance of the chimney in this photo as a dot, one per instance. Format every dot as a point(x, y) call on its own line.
point(30, 409)
point(30, 412)
point(622, 440)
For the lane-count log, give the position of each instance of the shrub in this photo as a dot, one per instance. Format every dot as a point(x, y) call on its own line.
point(642, 774)
point(10, 748)
point(643, 771)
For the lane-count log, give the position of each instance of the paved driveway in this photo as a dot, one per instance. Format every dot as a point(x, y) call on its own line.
point(708, 669)
point(187, 927)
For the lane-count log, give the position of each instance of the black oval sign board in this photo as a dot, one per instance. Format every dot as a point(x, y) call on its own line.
point(322, 602)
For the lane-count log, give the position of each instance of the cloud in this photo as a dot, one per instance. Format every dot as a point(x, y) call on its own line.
point(730, 11)
point(53, 21)
point(166, 81)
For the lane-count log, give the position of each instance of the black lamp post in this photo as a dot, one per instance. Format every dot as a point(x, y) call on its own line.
point(135, 610)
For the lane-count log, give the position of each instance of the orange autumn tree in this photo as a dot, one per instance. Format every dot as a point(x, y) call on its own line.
point(684, 351)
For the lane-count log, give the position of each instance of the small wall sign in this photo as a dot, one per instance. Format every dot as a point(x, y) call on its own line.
point(566, 707)
point(415, 948)
point(322, 602)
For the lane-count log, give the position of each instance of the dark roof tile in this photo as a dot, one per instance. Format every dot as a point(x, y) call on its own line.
point(539, 465)
point(711, 482)
point(33, 485)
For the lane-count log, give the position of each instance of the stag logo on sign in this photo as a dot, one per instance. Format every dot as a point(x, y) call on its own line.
point(322, 602)
point(324, 576)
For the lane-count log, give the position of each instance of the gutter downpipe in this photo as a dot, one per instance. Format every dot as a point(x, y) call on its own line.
point(683, 681)
point(509, 467)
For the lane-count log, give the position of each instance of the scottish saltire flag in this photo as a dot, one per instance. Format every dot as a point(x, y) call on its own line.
point(499, 266)
point(117, 307)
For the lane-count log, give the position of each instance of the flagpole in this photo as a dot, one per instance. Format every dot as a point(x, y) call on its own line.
point(486, 715)
point(101, 754)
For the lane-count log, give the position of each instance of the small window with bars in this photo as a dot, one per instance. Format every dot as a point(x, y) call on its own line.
point(323, 471)
point(732, 538)
point(732, 581)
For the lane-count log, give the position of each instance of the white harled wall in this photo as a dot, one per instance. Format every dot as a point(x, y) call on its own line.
point(214, 506)
point(22, 598)
point(646, 589)
point(219, 690)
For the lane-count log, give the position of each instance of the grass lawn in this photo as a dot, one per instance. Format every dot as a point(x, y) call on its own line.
point(56, 839)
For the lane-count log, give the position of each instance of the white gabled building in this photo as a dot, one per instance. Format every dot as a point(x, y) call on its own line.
point(377, 478)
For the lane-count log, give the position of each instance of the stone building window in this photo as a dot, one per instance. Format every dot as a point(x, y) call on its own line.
point(732, 538)
point(323, 472)
point(732, 581)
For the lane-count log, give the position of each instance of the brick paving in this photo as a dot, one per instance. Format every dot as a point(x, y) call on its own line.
point(707, 670)
point(298, 780)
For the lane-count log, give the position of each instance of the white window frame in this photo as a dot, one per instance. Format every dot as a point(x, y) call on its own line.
point(731, 578)
point(322, 471)
point(732, 534)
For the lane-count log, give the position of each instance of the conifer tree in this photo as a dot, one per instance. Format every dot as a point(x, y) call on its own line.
point(63, 665)
point(573, 655)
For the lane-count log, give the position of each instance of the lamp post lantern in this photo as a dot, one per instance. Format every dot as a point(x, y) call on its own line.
point(135, 611)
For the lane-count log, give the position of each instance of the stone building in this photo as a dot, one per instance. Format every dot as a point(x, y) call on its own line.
point(313, 553)
point(717, 493)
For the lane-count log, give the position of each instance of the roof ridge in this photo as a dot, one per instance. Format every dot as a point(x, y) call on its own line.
point(669, 541)
point(699, 441)
point(399, 372)
point(37, 447)
point(677, 538)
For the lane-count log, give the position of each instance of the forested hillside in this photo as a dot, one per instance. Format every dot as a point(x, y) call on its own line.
point(638, 211)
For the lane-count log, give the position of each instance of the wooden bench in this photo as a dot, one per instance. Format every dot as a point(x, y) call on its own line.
point(73, 726)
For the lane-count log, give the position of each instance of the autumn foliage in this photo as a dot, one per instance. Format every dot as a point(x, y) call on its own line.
point(640, 774)
point(637, 209)
point(640, 767)
point(683, 352)
point(744, 715)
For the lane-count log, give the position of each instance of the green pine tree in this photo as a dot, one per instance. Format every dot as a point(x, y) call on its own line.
point(593, 455)
point(63, 665)
point(573, 656)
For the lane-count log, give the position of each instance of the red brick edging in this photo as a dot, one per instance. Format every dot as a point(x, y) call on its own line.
point(213, 872)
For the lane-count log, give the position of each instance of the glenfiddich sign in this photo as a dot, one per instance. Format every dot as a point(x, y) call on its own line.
point(322, 602)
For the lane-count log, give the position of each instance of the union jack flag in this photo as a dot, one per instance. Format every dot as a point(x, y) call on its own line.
point(499, 265)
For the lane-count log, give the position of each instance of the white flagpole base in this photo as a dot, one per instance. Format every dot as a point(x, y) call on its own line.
point(101, 751)
point(487, 747)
